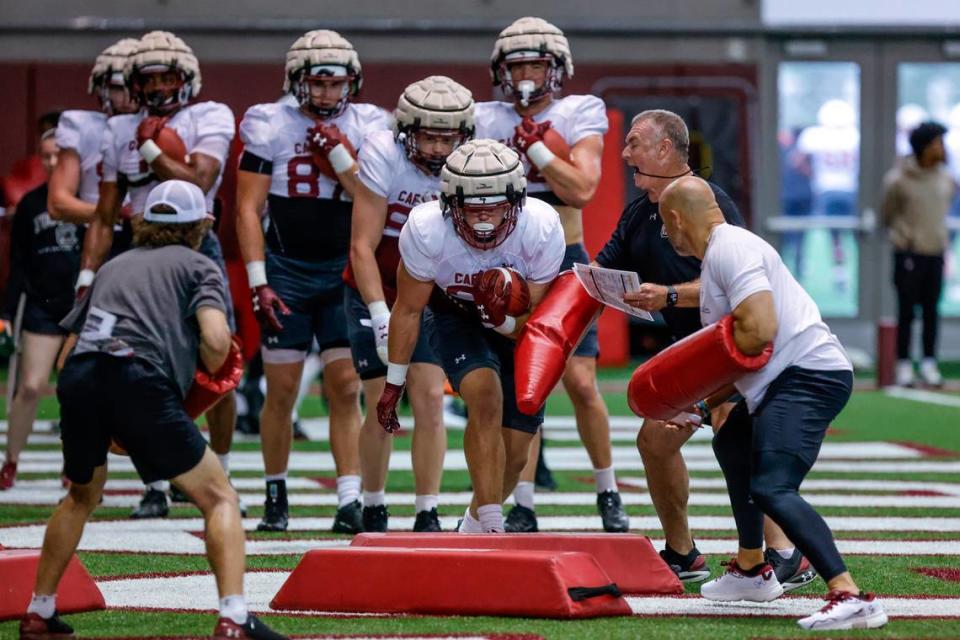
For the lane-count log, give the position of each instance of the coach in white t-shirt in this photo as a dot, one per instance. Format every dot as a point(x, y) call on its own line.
point(773, 436)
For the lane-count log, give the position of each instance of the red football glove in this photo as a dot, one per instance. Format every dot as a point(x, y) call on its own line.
point(528, 132)
point(387, 407)
point(322, 138)
point(491, 303)
point(149, 128)
point(266, 303)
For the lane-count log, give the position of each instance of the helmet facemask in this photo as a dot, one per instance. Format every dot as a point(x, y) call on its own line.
point(166, 101)
point(525, 92)
point(430, 163)
point(484, 234)
point(325, 73)
point(105, 85)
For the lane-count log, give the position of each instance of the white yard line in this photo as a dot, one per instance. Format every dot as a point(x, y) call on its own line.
point(922, 395)
point(794, 607)
point(875, 486)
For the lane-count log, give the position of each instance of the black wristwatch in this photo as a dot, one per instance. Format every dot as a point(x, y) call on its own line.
point(671, 296)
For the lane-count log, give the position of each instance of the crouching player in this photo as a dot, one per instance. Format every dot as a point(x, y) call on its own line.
point(150, 316)
point(456, 256)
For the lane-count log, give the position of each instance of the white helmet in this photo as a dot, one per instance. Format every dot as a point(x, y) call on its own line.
point(436, 104)
point(836, 114)
point(159, 52)
point(529, 39)
point(483, 175)
point(108, 71)
point(322, 54)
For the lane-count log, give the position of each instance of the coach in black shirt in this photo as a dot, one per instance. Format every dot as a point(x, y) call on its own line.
point(656, 149)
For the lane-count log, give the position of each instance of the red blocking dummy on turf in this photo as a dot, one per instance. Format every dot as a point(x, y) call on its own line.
point(542, 584)
point(18, 570)
point(630, 560)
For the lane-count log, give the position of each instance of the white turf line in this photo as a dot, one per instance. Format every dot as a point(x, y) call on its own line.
point(922, 395)
point(198, 593)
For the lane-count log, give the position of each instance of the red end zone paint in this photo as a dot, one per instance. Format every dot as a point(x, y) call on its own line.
point(922, 493)
point(927, 450)
point(950, 574)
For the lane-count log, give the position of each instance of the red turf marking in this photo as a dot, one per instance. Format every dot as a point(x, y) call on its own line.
point(927, 450)
point(949, 574)
point(326, 483)
point(490, 636)
point(923, 493)
point(122, 492)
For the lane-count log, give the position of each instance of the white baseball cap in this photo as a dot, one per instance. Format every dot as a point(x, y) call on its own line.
point(184, 198)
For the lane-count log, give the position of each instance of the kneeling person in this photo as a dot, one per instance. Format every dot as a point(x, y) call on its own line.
point(151, 316)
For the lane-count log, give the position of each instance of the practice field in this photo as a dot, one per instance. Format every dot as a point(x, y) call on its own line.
point(888, 482)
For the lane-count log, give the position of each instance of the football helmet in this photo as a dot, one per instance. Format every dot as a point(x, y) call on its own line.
point(526, 40)
point(163, 52)
point(107, 72)
point(322, 54)
point(483, 176)
point(435, 105)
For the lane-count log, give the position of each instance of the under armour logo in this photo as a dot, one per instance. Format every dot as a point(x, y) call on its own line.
point(460, 358)
point(483, 312)
point(273, 340)
point(362, 363)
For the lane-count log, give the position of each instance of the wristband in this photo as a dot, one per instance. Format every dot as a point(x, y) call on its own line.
point(256, 273)
point(85, 278)
point(150, 151)
point(509, 324)
point(340, 159)
point(397, 373)
point(378, 308)
point(540, 155)
point(703, 408)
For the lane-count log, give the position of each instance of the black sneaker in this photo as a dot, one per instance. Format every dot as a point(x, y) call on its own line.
point(793, 572)
point(691, 567)
point(33, 627)
point(543, 477)
point(178, 496)
point(349, 518)
point(254, 629)
point(374, 518)
point(427, 522)
point(520, 520)
point(298, 433)
point(153, 504)
point(276, 513)
point(614, 518)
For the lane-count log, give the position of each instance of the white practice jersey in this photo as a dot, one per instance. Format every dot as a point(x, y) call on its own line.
point(277, 132)
point(82, 131)
point(573, 117)
point(738, 264)
point(204, 127)
point(432, 251)
point(834, 157)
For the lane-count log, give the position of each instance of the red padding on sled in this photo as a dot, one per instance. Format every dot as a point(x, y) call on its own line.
point(550, 335)
point(630, 560)
point(18, 570)
point(543, 584)
point(689, 371)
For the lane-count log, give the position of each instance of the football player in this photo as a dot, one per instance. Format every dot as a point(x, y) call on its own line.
point(298, 159)
point(164, 77)
point(530, 60)
point(482, 223)
point(399, 170)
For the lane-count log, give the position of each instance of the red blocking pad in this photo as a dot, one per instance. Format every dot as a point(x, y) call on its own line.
point(18, 570)
point(542, 584)
point(630, 560)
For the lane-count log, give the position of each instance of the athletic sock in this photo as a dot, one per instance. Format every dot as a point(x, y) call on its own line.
point(523, 494)
point(606, 479)
point(491, 518)
point(469, 524)
point(374, 498)
point(425, 502)
point(270, 477)
point(158, 485)
point(348, 489)
point(224, 459)
point(43, 606)
point(235, 608)
point(786, 554)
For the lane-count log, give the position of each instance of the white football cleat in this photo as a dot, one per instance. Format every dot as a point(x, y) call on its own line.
point(760, 585)
point(930, 372)
point(847, 611)
point(904, 376)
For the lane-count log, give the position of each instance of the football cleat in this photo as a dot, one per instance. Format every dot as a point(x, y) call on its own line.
point(793, 572)
point(349, 518)
point(176, 495)
point(253, 628)
point(152, 505)
point(428, 521)
point(521, 520)
point(276, 512)
point(8, 475)
point(847, 611)
point(375, 518)
point(33, 627)
point(691, 567)
point(614, 518)
point(754, 585)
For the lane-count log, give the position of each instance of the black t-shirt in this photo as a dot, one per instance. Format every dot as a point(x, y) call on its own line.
point(640, 244)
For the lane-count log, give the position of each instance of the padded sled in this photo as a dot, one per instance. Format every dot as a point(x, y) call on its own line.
point(543, 584)
point(18, 570)
point(630, 560)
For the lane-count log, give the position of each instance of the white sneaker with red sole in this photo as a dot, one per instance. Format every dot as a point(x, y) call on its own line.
point(755, 585)
point(846, 611)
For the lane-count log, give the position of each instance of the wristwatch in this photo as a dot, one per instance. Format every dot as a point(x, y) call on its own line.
point(671, 296)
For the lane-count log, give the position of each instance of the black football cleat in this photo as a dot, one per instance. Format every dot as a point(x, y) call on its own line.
point(793, 572)
point(375, 518)
point(176, 495)
point(253, 629)
point(276, 512)
point(691, 567)
point(614, 518)
point(520, 520)
point(349, 518)
point(33, 627)
point(428, 521)
point(152, 505)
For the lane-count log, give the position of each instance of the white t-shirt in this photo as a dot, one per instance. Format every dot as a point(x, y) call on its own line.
point(277, 132)
point(834, 157)
point(573, 117)
point(738, 264)
point(204, 127)
point(433, 252)
point(82, 131)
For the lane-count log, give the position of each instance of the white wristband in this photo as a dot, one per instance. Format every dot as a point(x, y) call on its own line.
point(256, 273)
point(509, 324)
point(85, 278)
point(540, 155)
point(397, 373)
point(340, 159)
point(149, 151)
point(378, 308)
